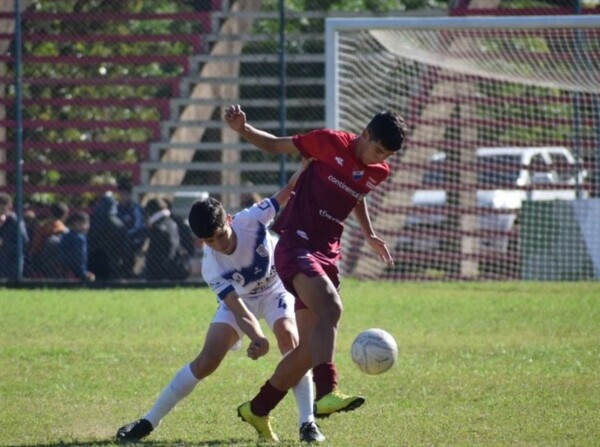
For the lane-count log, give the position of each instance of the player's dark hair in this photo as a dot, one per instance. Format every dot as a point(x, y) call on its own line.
point(389, 129)
point(206, 216)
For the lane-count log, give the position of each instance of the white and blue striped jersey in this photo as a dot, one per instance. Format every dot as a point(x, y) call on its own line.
point(250, 269)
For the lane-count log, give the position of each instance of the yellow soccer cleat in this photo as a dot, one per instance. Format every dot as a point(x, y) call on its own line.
point(262, 424)
point(336, 402)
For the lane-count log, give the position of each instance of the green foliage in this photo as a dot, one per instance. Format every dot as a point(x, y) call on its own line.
point(80, 92)
point(480, 364)
point(154, 68)
point(82, 48)
point(371, 6)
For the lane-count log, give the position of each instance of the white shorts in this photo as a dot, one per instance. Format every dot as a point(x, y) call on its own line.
point(271, 306)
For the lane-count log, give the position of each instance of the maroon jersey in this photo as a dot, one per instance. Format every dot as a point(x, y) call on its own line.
point(328, 190)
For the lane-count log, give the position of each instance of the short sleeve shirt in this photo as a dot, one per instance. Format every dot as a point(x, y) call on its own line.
point(249, 270)
point(328, 190)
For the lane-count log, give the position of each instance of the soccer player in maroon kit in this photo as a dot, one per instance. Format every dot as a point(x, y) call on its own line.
point(345, 168)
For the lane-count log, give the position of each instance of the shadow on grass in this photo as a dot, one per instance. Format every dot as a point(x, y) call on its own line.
point(150, 443)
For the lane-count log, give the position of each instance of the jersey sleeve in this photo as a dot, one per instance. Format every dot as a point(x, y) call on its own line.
point(312, 144)
point(263, 212)
point(221, 286)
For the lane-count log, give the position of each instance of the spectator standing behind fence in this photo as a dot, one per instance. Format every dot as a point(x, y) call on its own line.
point(74, 248)
point(108, 243)
point(43, 250)
point(9, 231)
point(31, 221)
point(163, 257)
point(186, 236)
point(132, 215)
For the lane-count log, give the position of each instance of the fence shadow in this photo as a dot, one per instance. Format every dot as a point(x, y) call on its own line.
point(173, 443)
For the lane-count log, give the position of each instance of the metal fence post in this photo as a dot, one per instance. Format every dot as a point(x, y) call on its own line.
point(19, 140)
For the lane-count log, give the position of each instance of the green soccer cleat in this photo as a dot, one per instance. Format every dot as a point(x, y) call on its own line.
point(262, 424)
point(336, 402)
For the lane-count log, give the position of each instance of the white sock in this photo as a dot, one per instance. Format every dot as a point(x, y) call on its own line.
point(304, 394)
point(182, 384)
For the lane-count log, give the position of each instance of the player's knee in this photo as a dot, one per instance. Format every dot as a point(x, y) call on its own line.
point(286, 343)
point(204, 365)
point(332, 311)
point(286, 334)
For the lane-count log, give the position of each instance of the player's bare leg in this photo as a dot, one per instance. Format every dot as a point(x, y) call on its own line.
point(219, 339)
point(297, 362)
point(286, 333)
point(321, 297)
point(290, 371)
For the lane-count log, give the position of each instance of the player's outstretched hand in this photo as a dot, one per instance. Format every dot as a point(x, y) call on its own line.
point(235, 117)
point(380, 247)
point(258, 348)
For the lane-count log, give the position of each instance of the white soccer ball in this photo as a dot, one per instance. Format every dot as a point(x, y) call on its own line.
point(374, 351)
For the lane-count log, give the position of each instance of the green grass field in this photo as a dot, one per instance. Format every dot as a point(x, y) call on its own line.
point(480, 364)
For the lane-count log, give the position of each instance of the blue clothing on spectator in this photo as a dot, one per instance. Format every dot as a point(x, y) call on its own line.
point(108, 243)
point(50, 263)
point(73, 253)
point(132, 215)
point(8, 246)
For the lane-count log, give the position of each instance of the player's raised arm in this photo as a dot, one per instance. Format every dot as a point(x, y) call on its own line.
point(378, 245)
point(259, 344)
point(236, 120)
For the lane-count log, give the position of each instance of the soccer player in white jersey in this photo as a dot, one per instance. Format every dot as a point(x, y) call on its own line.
point(239, 266)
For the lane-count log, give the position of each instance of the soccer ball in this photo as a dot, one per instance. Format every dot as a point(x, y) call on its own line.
point(374, 351)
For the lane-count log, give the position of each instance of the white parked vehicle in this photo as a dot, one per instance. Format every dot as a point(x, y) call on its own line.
point(506, 177)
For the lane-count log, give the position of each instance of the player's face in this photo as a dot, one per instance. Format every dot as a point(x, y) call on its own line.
point(369, 151)
point(223, 240)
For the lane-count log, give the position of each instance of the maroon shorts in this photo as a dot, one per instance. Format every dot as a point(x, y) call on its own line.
point(292, 258)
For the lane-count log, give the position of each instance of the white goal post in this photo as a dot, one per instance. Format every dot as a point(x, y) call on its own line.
point(502, 167)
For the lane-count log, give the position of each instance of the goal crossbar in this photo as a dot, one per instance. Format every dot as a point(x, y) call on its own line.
point(502, 150)
point(334, 25)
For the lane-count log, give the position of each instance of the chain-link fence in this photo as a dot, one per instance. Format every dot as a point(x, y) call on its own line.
point(116, 110)
point(111, 118)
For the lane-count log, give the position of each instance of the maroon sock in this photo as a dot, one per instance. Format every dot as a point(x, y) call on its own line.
point(267, 398)
point(325, 377)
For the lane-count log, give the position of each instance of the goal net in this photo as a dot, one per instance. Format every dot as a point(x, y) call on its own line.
point(502, 163)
